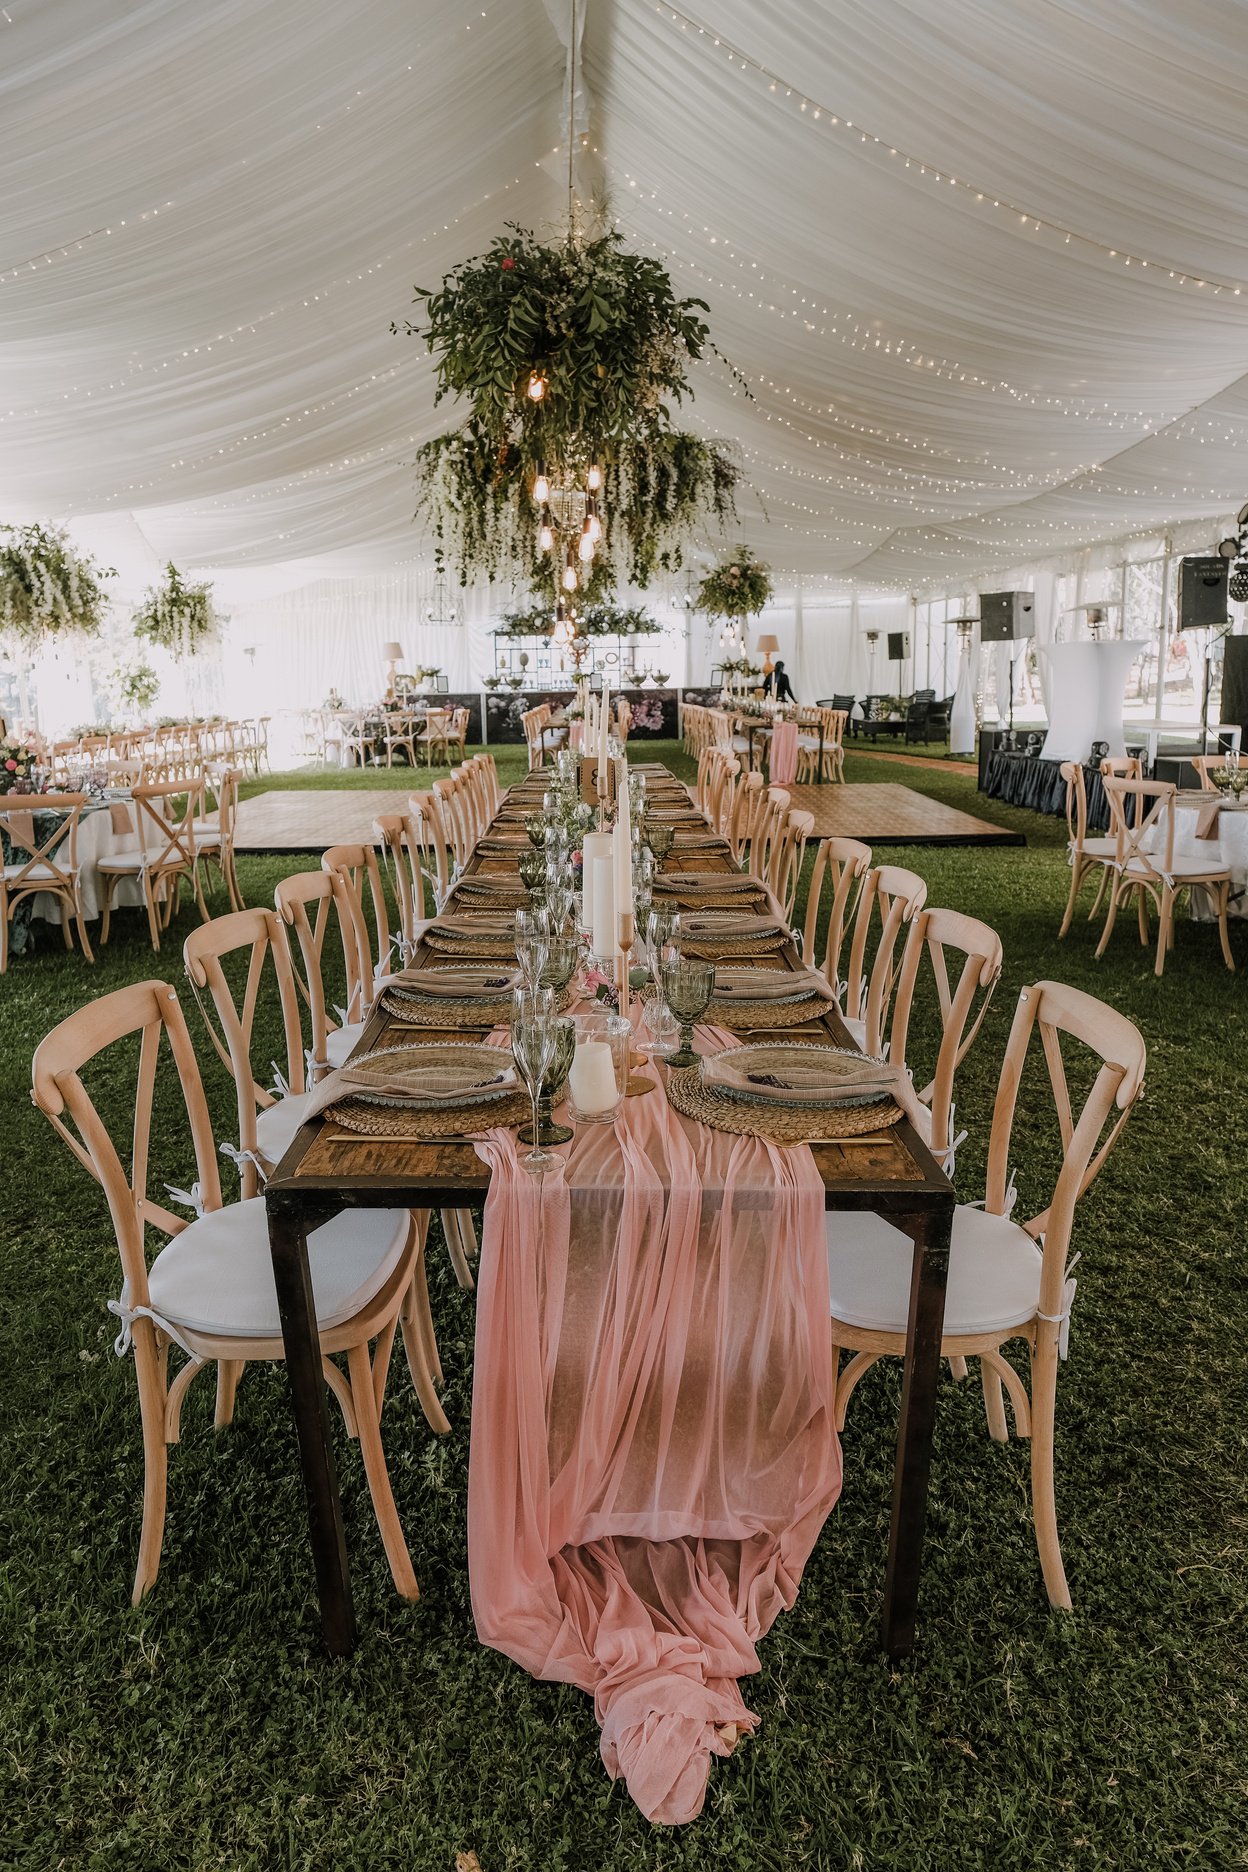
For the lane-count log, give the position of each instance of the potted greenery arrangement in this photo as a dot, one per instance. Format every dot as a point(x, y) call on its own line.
point(177, 616)
point(739, 588)
point(47, 587)
point(568, 357)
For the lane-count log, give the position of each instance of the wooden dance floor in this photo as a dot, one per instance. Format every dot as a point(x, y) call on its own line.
point(310, 822)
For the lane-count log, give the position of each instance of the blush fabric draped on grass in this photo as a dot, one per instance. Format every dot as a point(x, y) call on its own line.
point(653, 1448)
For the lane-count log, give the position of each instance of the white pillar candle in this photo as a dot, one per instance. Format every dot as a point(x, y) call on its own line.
point(603, 925)
point(593, 845)
point(591, 1082)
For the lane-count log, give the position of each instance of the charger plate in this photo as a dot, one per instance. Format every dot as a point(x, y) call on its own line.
point(783, 1124)
point(448, 1057)
point(471, 948)
point(723, 948)
point(777, 1056)
point(742, 1016)
point(416, 1126)
point(407, 1010)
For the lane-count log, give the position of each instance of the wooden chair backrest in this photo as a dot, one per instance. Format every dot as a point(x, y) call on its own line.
point(1149, 804)
point(307, 903)
point(1076, 804)
point(898, 896)
point(167, 836)
point(1122, 767)
point(357, 867)
point(745, 800)
point(724, 771)
point(433, 839)
point(150, 1010)
point(842, 864)
point(787, 855)
point(1206, 766)
point(1049, 1010)
point(262, 934)
point(55, 852)
point(936, 934)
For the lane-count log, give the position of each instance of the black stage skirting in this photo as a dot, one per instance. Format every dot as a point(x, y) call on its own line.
point(1025, 780)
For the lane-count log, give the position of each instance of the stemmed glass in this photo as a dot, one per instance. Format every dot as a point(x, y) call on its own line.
point(562, 955)
point(532, 938)
point(533, 1049)
point(660, 838)
point(548, 1132)
point(688, 985)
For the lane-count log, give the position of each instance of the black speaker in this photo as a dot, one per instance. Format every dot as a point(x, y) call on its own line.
point(1004, 617)
point(1202, 592)
point(898, 646)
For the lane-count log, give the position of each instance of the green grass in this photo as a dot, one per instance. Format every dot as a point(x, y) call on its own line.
point(207, 1730)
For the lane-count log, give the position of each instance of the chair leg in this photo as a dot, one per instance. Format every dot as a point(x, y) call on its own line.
point(455, 1248)
point(1141, 912)
point(369, 1426)
point(229, 1371)
point(415, 1347)
point(994, 1404)
point(1223, 901)
point(1164, 926)
point(83, 938)
point(957, 1368)
point(1111, 919)
point(1076, 879)
point(150, 1365)
point(106, 911)
point(1043, 1495)
point(153, 916)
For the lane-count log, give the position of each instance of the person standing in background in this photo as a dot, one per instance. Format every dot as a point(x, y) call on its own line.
point(783, 690)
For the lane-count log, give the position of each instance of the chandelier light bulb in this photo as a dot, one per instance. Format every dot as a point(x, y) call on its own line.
point(546, 540)
point(537, 387)
point(593, 479)
point(569, 577)
point(586, 548)
point(593, 527)
point(541, 488)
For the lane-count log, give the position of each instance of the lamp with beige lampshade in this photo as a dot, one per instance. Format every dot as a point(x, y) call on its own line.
point(767, 643)
point(392, 656)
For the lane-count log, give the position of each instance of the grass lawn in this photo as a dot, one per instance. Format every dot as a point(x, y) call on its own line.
point(206, 1729)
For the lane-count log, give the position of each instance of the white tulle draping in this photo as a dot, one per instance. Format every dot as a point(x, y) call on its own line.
point(987, 290)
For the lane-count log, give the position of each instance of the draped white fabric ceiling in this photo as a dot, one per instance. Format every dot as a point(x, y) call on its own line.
point(211, 214)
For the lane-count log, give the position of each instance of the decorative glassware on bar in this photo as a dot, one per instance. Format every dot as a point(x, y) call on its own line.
point(688, 985)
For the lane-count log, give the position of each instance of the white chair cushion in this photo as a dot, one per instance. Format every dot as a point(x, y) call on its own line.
point(1099, 848)
point(217, 1275)
point(276, 1126)
point(994, 1273)
point(35, 872)
point(340, 1044)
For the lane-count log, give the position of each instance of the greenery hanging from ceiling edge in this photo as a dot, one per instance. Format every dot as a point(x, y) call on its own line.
point(606, 335)
point(47, 587)
point(738, 588)
point(592, 620)
point(177, 617)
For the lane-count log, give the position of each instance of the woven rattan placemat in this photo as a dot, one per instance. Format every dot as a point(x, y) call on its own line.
point(778, 1124)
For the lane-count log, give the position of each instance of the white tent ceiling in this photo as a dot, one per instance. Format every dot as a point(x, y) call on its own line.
point(981, 263)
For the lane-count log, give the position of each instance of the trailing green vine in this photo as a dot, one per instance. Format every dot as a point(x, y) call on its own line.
point(592, 620)
point(176, 616)
point(47, 587)
point(739, 588)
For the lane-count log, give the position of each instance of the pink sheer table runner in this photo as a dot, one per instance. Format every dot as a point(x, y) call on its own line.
point(783, 753)
point(653, 1451)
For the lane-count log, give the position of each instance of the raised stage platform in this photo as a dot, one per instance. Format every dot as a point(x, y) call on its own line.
point(309, 822)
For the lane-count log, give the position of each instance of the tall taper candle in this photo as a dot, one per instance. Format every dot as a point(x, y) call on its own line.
point(623, 835)
point(603, 731)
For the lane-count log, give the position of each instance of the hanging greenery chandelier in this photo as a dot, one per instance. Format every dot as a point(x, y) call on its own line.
point(568, 470)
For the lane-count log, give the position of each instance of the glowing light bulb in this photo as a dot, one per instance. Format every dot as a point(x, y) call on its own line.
point(537, 387)
point(541, 488)
point(586, 548)
point(593, 526)
point(546, 540)
point(593, 479)
point(569, 578)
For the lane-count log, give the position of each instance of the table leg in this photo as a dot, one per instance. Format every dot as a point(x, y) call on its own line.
point(930, 1231)
point(819, 769)
point(288, 1245)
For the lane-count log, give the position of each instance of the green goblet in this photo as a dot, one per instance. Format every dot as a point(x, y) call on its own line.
point(660, 838)
point(535, 827)
point(548, 1132)
point(688, 985)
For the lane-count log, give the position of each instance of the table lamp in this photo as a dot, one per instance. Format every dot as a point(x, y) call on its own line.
point(767, 643)
point(392, 655)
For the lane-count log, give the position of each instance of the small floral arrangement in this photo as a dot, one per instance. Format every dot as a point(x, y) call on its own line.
point(601, 987)
point(47, 587)
point(333, 700)
point(739, 588)
point(177, 617)
point(17, 767)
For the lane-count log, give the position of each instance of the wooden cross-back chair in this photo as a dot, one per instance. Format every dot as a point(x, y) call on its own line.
point(1206, 766)
point(1006, 1280)
point(209, 1288)
point(1145, 865)
point(358, 867)
point(214, 832)
point(50, 862)
point(1086, 855)
point(786, 857)
point(741, 802)
point(892, 896)
point(840, 867)
point(400, 730)
point(934, 937)
point(162, 857)
point(766, 821)
point(433, 841)
point(309, 902)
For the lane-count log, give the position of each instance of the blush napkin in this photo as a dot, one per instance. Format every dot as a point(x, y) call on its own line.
point(457, 984)
point(757, 984)
point(432, 1085)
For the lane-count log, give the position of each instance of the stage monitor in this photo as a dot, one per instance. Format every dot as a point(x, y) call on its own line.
point(898, 646)
point(1202, 592)
point(1004, 617)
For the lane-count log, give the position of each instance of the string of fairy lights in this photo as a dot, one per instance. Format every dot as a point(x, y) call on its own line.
point(1009, 213)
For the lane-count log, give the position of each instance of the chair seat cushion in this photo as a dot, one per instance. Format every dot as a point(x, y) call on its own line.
point(134, 858)
point(1212, 869)
point(1099, 847)
point(340, 1044)
point(276, 1126)
point(994, 1273)
point(217, 1275)
point(36, 872)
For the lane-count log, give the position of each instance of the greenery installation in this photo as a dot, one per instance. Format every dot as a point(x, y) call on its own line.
point(177, 616)
point(207, 1732)
point(48, 588)
point(569, 358)
point(739, 588)
point(592, 620)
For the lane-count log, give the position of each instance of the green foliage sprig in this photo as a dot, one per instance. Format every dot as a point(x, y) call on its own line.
point(603, 333)
point(738, 588)
point(47, 587)
point(592, 620)
point(177, 617)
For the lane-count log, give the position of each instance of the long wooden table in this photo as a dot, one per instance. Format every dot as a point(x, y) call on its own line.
point(327, 1170)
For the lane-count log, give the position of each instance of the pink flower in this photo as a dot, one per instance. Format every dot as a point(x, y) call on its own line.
point(595, 979)
point(508, 264)
point(11, 766)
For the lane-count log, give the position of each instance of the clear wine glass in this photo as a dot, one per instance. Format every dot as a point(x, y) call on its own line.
point(548, 1130)
point(533, 1049)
